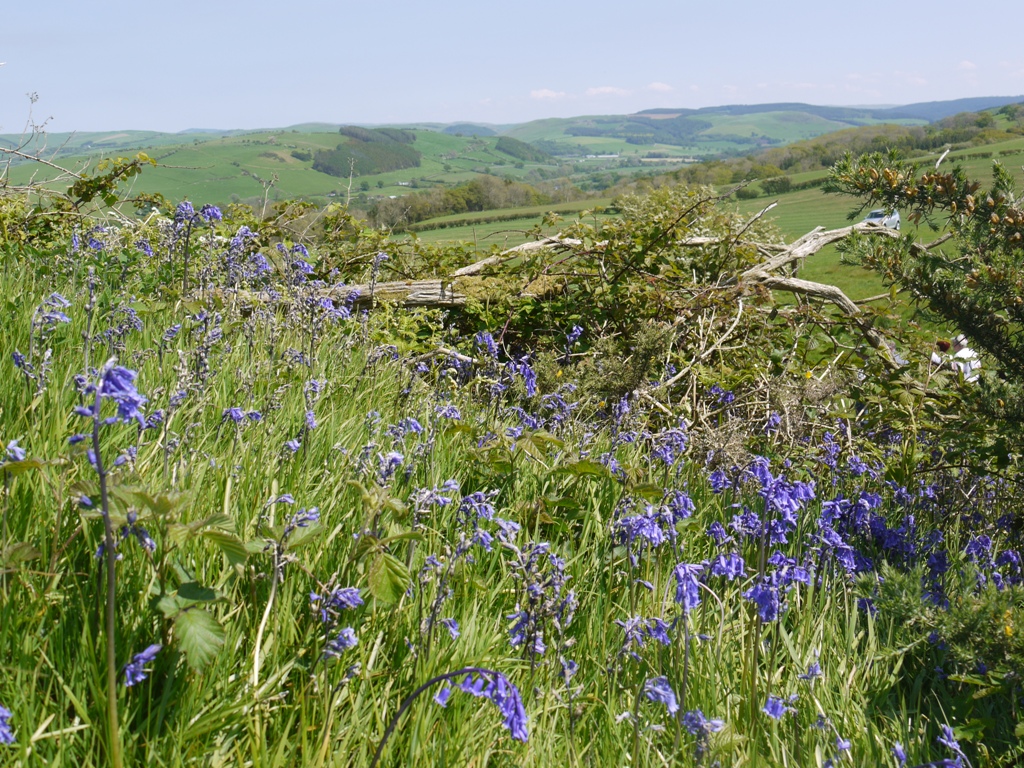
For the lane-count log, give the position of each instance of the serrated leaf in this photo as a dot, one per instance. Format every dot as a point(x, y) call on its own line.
point(199, 635)
point(192, 590)
point(407, 536)
point(388, 578)
point(584, 467)
point(228, 543)
point(177, 533)
point(256, 547)
point(302, 536)
point(168, 606)
point(561, 502)
point(20, 467)
point(399, 507)
point(541, 439)
point(649, 491)
point(530, 448)
point(17, 553)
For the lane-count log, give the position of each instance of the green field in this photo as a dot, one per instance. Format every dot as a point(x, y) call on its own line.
point(796, 214)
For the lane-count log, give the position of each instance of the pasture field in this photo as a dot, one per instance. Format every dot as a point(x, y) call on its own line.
point(796, 214)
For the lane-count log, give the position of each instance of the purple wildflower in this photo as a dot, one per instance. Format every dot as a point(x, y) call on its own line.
point(210, 213)
point(134, 671)
point(658, 689)
point(15, 452)
point(118, 384)
point(687, 585)
point(899, 753)
point(813, 671)
point(6, 732)
point(776, 707)
point(731, 566)
point(504, 695)
point(345, 639)
point(236, 414)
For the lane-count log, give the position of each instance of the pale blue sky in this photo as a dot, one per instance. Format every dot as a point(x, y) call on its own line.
point(113, 64)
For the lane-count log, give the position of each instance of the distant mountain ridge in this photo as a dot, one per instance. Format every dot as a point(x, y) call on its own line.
point(925, 110)
point(651, 136)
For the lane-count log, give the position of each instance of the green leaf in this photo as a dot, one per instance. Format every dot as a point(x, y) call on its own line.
point(196, 592)
point(541, 439)
point(649, 491)
point(388, 578)
point(398, 507)
point(17, 553)
point(199, 635)
point(407, 536)
point(19, 467)
point(229, 544)
point(168, 606)
point(303, 537)
point(530, 447)
point(584, 467)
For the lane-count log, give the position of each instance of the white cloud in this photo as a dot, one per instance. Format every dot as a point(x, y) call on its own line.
point(546, 94)
point(660, 87)
point(911, 78)
point(607, 90)
point(966, 66)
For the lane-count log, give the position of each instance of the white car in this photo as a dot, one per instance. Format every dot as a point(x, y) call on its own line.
point(883, 219)
point(959, 357)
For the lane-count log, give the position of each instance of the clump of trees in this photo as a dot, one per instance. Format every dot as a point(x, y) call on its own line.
point(378, 135)
point(481, 194)
point(368, 151)
point(643, 130)
point(520, 150)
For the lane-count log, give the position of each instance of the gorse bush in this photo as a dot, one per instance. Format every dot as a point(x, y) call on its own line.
point(252, 514)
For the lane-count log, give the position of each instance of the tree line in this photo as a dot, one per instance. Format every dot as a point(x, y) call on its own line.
point(482, 194)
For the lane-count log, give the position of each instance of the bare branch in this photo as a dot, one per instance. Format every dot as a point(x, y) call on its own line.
point(812, 242)
point(26, 156)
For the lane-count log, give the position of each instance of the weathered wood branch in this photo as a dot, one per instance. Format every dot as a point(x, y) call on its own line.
point(455, 290)
point(408, 293)
point(449, 291)
point(811, 243)
point(802, 248)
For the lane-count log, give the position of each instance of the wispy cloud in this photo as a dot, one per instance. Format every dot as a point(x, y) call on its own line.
point(659, 87)
point(607, 90)
point(546, 94)
point(911, 78)
point(966, 66)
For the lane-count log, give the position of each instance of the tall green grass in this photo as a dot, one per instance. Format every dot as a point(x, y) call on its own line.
point(217, 528)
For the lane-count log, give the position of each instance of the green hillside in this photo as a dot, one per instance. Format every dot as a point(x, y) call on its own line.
point(564, 158)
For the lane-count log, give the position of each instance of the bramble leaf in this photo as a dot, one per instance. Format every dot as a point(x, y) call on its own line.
point(199, 635)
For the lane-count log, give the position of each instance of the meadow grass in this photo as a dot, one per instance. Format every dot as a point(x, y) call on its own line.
point(589, 489)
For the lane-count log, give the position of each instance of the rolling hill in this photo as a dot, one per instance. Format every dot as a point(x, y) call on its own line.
point(589, 152)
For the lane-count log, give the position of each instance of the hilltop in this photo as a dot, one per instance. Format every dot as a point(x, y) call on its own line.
point(562, 158)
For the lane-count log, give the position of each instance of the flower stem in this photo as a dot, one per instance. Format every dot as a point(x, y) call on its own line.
point(412, 697)
point(263, 626)
point(108, 539)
